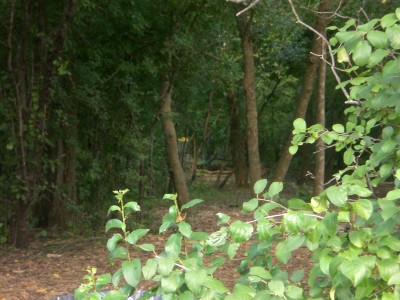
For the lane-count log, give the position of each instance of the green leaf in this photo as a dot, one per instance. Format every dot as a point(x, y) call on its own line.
point(293, 149)
point(296, 203)
point(102, 280)
point(391, 242)
point(164, 226)
point(218, 238)
point(259, 186)
point(300, 125)
point(135, 235)
point(378, 39)
point(114, 208)
point(282, 252)
point(165, 265)
point(297, 275)
point(277, 287)
point(275, 188)
point(295, 241)
point(387, 268)
point(339, 128)
point(329, 224)
point(337, 195)
point(215, 285)
point(222, 218)
point(243, 292)
point(294, 292)
point(232, 249)
point(376, 57)
point(114, 295)
point(195, 280)
point(147, 247)
point(260, 272)
point(241, 231)
point(185, 229)
point(367, 26)
point(112, 242)
point(388, 146)
point(362, 53)
point(132, 271)
point(191, 203)
point(116, 278)
point(171, 283)
point(342, 55)
point(358, 238)
point(263, 230)
point(394, 279)
point(114, 223)
point(199, 236)
point(388, 20)
point(324, 264)
point(348, 156)
point(173, 245)
point(319, 204)
point(363, 208)
point(132, 206)
point(393, 195)
point(355, 270)
point(250, 205)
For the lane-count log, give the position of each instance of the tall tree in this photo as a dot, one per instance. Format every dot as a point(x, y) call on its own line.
point(171, 146)
point(307, 87)
point(244, 22)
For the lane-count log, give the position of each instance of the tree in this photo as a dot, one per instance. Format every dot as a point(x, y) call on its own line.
point(307, 88)
point(244, 22)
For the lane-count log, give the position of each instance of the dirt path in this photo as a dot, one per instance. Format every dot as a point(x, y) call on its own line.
point(54, 267)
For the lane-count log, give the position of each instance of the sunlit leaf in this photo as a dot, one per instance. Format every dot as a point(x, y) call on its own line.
point(132, 271)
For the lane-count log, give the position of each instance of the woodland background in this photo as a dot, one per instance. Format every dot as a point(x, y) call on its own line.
point(103, 95)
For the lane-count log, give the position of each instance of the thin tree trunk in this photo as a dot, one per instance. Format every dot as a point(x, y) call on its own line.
point(305, 93)
point(244, 22)
point(59, 208)
point(206, 132)
point(237, 142)
point(171, 146)
point(320, 118)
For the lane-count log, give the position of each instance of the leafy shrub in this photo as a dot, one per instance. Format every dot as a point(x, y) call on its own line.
point(353, 236)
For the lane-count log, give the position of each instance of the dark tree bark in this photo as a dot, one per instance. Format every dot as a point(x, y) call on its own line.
point(171, 146)
point(306, 90)
point(319, 179)
point(237, 141)
point(244, 22)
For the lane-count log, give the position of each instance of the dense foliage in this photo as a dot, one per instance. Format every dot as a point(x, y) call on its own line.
point(352, 233)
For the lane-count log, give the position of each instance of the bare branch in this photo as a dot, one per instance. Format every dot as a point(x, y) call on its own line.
point(248, 7)
point(321, 36)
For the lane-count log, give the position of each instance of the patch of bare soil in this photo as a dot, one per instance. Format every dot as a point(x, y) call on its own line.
point(54, 267)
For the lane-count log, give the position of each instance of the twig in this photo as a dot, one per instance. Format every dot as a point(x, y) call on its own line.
point(248, 7)
point(320, 35)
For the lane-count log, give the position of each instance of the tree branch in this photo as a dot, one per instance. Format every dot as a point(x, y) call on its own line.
point(321, 36)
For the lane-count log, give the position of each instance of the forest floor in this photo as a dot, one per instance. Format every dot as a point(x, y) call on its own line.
point(54, 266)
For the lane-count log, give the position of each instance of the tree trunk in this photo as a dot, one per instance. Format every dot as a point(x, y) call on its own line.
point(197, 152)
point(237, 142)
point(244, 22)
point(59, 206)
point(171, 146)
point(305, 93)
point(320, 118)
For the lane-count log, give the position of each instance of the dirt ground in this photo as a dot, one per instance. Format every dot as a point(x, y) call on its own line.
point(54, 267)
